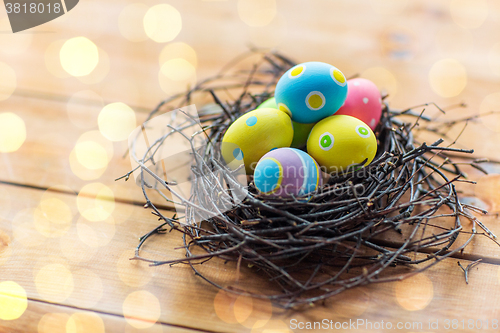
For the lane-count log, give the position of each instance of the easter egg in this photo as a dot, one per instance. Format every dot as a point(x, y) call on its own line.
point(254, 134)
point(363, 102)
point(311, 91)
point(268, 103)
point(286, 172)
point(300, 131)
point(339, 142)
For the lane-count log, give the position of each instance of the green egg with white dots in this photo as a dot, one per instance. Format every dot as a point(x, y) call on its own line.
point(253, 135)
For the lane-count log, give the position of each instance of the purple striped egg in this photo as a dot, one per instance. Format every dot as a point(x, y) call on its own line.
point(287, 172)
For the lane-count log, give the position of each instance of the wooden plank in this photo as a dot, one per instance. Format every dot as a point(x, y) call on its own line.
point(47, 158)
point(428, 34)
point(43, 317)
point(69, 269)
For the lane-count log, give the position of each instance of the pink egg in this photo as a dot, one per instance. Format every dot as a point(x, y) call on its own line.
point(363, 102)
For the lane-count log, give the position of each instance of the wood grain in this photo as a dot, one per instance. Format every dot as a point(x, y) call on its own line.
point(50, 248)
point(103, 278)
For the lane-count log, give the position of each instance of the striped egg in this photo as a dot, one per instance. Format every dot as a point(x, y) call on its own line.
point(300, 131)
point(286, 172)
point(311, 91)
point(340, 142)
point(254, 134)
point(363, 102)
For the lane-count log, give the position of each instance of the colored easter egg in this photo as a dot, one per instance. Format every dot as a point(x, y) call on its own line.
point(286, 172)
point(339, 142)
point(300, 134)
point(300, 131)
point(363, 102)
point(254, 134)
point(311, 91)
point(268, 103)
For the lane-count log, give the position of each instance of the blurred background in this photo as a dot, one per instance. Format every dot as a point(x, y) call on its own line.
point(71, 91)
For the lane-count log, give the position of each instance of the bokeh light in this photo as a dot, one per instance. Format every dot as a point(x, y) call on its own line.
point(448, 77)
point(243, 309)
point(176, 75)
point(91, 155)
point(88, 289)
point(83, 108)
point(116, 121)
point(23, 231)
point(82, 172)
point(141, 309)
point(96, 202)
point(13, 300)
point(383, 78)
point(9, 81)
point(133, 273)
point(224, 306)
point(12, 131)
point(52, 217)
point(130, 22)
point(79, 56)
point(257, 13)
point(178, 50)
point(96, 234)
point(83, 322)
point(100, 71)
point(178, 69)
point(272, 326)
point(491, 103)
point(13, 44)
point(52, 59)
point(469, 14)
point(53, 323)
point(494, 59)
point(54, 282)
point(162, 23)
point(414, 293)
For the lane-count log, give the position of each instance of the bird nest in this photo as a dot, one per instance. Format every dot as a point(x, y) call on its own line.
point(360, 227)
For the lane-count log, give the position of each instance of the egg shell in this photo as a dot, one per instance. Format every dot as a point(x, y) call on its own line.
point(286, 172)
point(300, 131)
point(339, 142)
point(363, 102)
point(311, 91)
point(254, 134)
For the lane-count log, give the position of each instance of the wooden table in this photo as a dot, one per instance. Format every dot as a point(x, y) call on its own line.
point(75, 272)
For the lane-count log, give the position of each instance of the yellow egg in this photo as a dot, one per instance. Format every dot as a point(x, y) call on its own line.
point(339, 142)
point(254, 134)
